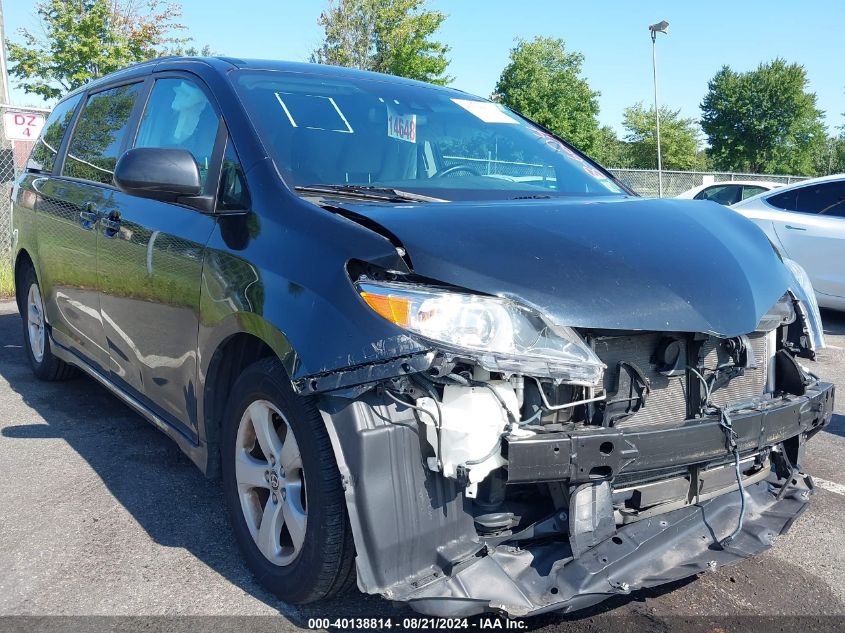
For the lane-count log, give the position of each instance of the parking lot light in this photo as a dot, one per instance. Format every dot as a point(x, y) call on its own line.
point(654, 29)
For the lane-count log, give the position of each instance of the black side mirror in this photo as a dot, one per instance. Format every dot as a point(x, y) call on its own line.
point(159, 173)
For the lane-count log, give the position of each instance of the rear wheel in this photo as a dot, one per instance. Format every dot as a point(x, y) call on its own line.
point(45, 365)
point(283, 489)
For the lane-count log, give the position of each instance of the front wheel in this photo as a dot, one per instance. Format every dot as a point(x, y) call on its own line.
point(283, 489)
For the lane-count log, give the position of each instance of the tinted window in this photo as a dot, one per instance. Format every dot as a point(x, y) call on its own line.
point(178, 115)
point(827, 198)
point(749, 191)
point(786, 200)
point(99, 134)
point(723, 194)
point(232, 194)
point(43, 155)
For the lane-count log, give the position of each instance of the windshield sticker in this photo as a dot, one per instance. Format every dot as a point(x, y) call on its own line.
point(487, 112)
point(401, 126)
point(313, 112)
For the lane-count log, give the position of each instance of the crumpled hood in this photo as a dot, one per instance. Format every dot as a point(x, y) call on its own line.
point(615, 263)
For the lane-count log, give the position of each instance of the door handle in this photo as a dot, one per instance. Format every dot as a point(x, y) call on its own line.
point(795, 228)
point(110, 226)
point(88, 216)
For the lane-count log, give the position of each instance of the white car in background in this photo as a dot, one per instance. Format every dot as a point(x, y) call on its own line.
point(729, 192)
point(806, 221)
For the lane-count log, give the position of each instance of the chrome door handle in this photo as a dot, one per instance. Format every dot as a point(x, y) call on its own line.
point(795, 228)
point(88, 216)
point(110, 226)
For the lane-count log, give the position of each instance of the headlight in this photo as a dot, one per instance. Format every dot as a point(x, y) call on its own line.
point(499, 334)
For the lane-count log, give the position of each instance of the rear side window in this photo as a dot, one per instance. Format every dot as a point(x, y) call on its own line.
point(99, 134)
point(787, 200)
point(43, 155)
point(178, 115)
point(748, 191)
point(723, 194)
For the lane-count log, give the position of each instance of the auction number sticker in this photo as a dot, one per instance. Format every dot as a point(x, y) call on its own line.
point(401, 126)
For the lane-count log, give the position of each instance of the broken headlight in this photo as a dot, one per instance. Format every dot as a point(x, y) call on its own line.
point(500, 334)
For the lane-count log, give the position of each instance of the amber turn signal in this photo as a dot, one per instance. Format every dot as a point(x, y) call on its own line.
point(395, 309)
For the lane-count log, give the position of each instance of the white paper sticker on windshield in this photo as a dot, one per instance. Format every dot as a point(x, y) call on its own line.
point(487, 112)
point(401, 126)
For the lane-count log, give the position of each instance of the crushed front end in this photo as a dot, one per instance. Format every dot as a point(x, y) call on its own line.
point(625, 459)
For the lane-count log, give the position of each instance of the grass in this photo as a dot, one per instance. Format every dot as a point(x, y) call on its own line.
point(7, 280)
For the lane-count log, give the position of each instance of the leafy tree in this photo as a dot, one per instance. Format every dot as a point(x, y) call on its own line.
point(829, 157)
point(680, 145)
point(85, 39)
point(763, 120)
point(543, 82)
point(609, 150)
point(388, 36)
point(193, 51)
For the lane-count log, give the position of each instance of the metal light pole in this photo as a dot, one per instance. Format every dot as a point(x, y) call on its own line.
point(4, 76)
point(654, 29)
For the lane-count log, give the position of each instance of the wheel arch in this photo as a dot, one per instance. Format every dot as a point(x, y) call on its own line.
point(22, 259)
point(241, 340)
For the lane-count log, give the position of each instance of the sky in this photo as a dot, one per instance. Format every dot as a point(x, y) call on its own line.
point(612, 36)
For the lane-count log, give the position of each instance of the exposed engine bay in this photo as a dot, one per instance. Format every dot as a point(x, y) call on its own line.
point(472, 417)
point(461, 466)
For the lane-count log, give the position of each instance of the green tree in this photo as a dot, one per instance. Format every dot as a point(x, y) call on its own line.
point(609, 150)
point(192, 51)
point(829, 157)
point(543, 82)
point(387, 36)
point(84, 39)
point(762, 121)
point(680, 144)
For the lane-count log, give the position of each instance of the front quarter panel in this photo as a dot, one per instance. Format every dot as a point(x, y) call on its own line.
point(279, 273)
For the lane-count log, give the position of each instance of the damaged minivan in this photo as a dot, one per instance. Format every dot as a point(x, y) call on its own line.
point(429, 347)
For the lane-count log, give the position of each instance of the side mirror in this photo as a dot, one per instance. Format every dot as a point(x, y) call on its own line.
point(159, 173)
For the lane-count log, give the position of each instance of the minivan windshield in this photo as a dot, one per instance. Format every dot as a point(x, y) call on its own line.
point(369, 135)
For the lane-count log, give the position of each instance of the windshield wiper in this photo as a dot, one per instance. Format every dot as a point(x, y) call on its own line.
point(368, 192)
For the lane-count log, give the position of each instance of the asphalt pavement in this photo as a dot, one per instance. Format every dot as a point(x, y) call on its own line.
point(100, 514)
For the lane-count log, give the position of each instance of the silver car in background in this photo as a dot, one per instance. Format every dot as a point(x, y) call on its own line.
point(806, 221)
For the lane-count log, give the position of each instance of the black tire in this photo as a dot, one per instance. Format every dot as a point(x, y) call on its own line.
point(48, 367)
point(324, 566)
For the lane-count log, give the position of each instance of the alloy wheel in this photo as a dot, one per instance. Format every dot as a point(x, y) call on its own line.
point(271, 482)
point(35, 322)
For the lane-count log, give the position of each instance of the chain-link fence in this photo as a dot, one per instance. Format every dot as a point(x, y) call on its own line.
point(19, 128)
point(494, 167)
point(646, 182)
